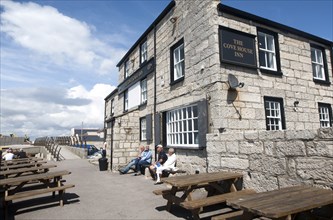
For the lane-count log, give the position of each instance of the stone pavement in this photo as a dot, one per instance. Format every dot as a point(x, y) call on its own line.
point(98, 195)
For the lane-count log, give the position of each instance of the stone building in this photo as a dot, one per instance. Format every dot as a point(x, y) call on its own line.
point(229, 91)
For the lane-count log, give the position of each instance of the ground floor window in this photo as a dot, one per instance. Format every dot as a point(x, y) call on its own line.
point(182, 127)
point(325, 115)
point(274, 113)
point(143, 129)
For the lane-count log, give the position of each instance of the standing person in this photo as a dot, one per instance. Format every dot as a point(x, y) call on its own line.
point(145, 160)
point(168, 165)
point(105, 146)
point(161, 158)
point(134, 161)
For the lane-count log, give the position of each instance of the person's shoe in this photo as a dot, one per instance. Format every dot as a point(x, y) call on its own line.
point(158, 183)
point(137, 174)
point(121, 172)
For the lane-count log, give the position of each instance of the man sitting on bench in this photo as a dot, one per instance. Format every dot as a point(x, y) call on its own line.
point(134, 162)
point(144, 161)
point(168, 165)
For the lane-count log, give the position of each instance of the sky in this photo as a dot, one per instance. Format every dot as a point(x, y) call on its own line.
point(58, 58)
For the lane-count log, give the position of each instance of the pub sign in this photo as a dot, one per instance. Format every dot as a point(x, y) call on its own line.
point(237, 47)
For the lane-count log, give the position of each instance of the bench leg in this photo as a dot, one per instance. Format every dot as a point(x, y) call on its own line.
point(195, 213)
point(61, 199)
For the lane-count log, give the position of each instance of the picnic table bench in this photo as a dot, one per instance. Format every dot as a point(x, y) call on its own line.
point(47, 183)
point(34, 170)
point(188, 183)
point(21, 165)
point(284, 203)
point(20, 160)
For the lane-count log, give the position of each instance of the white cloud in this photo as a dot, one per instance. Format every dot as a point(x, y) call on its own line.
point(46, 31)
point(37, 114)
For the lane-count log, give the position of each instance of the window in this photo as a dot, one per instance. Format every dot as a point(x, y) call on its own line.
point(177, 61)
point(274, 113)
point(112, 107)
point(143, 52)
point(143, 129)
point(127, 69)
point(182, 127)
point(325, 115)
point(268, 51)
point(126, 100)
point(319, 68)
point(143, 86)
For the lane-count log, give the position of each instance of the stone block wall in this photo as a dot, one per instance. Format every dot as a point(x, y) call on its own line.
point(274, 159)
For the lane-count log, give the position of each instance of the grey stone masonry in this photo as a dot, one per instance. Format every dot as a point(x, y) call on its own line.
point(273, 161)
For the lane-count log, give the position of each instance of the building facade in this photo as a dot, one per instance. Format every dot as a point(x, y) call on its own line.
point(216, 83)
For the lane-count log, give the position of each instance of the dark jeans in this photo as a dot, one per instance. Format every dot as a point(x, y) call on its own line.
point(141, 164)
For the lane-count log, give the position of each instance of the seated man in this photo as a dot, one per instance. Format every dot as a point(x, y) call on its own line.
point(132, 162)
point(168, 165)
point(145, 160)
point(161, 158)
point(9, 155)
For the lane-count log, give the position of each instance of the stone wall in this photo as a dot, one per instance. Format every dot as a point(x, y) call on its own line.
point(274, 159)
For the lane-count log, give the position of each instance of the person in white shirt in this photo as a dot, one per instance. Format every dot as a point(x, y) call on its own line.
point(169, 164)
point(9, 155)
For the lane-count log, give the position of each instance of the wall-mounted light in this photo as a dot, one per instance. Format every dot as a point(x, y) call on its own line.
point(173, 19)
point(296, 103)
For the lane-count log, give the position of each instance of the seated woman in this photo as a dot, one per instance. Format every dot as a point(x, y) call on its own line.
point(169, 164)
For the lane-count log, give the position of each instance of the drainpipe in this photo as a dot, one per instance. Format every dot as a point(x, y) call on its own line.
point(155, 82)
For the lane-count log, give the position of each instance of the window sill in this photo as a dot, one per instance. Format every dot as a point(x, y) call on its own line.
point(186, 147)
point(323, 82)
point(271, 72)
point(177, 81)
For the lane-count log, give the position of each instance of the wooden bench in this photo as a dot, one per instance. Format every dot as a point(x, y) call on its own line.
point(195, 206)
point(32, 193)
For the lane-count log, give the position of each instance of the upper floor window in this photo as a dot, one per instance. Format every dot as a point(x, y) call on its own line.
point(143, 86)
point(319, 69)
point(325, 115)
point(127, 69)
point(143, 52)
point(274, 113)
point(177, 61)
point(112, 107)
point(126, 100)
point(143, 129)
point(182, 127)
point(268, 51)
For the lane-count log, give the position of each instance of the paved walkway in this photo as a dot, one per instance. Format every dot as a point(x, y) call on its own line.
point(99, 195)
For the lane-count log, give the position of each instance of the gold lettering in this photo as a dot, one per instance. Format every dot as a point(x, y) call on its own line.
point(237, 54)
point(238, 42)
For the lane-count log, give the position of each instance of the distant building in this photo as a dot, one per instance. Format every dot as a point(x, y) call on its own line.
point(216, 84)
point(89, 135)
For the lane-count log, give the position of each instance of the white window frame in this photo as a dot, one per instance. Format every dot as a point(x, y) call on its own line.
point(324, 116)
point(182, 127)
point(127, 69)
point(318, 63)
point(275, 115)
point(112, 107)
point(143, 85)
point(263, 48)
point(178, 62)
point(143, 129)
point(143, 52)
point(126, 100)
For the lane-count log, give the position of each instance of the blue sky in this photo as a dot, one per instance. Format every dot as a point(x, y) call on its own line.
point(58, 58)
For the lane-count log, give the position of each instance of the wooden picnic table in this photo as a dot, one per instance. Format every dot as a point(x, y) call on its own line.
point(188, 183)
point(11, 173)
point(284, 203)
point(14, 188)
point(20, 160)
point(22, 165)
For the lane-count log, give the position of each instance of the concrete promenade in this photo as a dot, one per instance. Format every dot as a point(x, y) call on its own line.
point(98, 195)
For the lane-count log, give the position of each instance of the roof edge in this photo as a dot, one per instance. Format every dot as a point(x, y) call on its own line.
point(249, 16)
point(113, 92)
point(150, 28)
